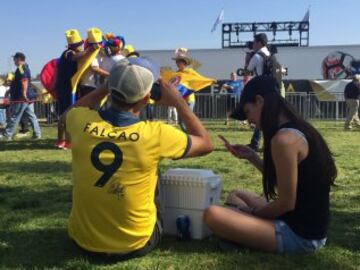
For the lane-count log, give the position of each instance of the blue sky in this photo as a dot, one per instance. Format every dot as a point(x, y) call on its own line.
point(37, 27)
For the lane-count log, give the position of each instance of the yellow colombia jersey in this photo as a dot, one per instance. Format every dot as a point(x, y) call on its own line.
point(115, 176)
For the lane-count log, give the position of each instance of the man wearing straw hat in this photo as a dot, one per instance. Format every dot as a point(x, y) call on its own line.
point(22, 98)
point(183, 61)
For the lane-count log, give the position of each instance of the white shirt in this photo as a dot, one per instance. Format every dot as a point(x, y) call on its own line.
point(90, 78)
point(3, 90)
point(107, 62)
point(256, 63)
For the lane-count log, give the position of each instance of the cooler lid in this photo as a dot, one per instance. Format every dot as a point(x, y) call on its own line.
point(198, 173)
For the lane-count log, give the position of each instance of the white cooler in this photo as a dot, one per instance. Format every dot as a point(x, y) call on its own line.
point(188, 192)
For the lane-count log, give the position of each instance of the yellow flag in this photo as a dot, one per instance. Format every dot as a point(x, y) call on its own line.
point(189, 78)
point(83, 65)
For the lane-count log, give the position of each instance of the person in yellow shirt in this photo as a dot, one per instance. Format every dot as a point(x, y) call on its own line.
point(115, 159)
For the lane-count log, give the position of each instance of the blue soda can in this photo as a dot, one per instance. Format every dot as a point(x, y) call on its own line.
point(183, 227)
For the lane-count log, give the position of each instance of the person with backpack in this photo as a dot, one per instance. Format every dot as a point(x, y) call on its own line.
point(257, 67)
point(275, 69)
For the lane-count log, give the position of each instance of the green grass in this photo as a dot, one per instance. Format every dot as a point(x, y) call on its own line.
point(35, 200)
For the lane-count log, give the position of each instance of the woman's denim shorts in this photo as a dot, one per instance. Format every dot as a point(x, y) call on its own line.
point(289, 242)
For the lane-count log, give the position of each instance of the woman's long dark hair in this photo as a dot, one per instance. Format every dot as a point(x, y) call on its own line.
point(274, 106)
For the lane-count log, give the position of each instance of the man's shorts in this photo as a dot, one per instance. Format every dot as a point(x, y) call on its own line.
point(289, 242)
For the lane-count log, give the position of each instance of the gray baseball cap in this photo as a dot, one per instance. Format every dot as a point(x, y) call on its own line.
point(131, 79)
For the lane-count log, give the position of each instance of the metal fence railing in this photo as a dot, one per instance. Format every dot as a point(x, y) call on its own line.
point(216, 106)
point(326, 107)
point(309, 105)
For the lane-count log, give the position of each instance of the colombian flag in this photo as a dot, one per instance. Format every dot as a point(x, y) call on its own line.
point(83, 65)
point(190, 80)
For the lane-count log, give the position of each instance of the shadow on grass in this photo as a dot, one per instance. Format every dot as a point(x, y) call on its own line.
point(18, 145)
point(36, 248)
point(35, 167)
point(51, 246)
point(172, 244)
point(21, 206)
point(344, 230)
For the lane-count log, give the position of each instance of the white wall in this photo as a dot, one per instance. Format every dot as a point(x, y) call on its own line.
point(302, 62)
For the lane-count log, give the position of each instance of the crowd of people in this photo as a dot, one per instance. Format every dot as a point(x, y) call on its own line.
point(115, 156)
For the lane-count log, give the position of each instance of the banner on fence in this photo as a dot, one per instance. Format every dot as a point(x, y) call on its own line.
point(325, 90)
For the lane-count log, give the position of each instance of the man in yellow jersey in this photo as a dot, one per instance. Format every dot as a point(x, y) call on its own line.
point(116, 158)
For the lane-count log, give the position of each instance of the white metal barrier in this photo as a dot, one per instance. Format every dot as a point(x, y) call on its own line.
point(215, 106)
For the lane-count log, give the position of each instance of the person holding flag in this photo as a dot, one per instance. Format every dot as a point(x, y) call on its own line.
point(70, 67)
point(186, 79)
point(94, 74)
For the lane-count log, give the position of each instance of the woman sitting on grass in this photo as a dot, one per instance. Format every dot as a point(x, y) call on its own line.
point(298, 170)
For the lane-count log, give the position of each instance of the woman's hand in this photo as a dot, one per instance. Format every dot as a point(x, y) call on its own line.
point(241, 151)
point(238, 150)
